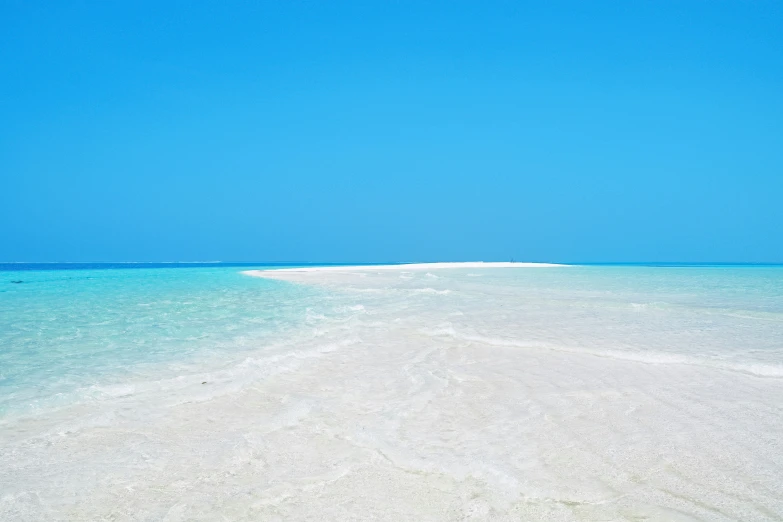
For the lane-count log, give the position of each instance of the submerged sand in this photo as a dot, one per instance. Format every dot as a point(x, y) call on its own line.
point(472, 396)
point(440, 392)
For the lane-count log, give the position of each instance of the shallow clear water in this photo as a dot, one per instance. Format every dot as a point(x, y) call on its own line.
point(560, 393)
point(66, 333)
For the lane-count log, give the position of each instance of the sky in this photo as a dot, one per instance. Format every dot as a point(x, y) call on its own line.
point(646, 131)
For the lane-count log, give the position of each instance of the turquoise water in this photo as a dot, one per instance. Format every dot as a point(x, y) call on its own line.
point(63, 331)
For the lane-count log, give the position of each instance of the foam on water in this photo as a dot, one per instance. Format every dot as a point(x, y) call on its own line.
point(612, 393)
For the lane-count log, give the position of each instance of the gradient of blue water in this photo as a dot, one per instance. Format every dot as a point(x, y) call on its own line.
point(63, 330)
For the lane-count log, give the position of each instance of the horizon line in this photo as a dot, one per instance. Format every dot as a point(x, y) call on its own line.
point(212, 262)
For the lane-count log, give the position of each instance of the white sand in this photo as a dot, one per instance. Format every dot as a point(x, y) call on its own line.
point(401, 267)
point(409, 393)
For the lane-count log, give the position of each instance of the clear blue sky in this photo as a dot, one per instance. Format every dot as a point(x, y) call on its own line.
point(390, 131)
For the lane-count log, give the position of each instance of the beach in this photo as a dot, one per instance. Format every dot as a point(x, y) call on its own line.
point(475, 391)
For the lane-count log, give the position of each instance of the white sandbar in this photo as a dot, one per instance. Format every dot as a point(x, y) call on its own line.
point(403, 266)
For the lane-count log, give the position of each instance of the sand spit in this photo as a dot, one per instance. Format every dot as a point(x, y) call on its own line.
point(402, 267)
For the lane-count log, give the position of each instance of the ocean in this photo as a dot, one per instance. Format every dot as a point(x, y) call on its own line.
point(202, 392)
